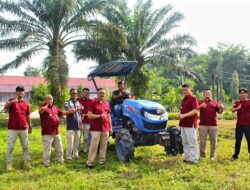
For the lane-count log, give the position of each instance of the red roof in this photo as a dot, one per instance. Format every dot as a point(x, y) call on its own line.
point(9, 83)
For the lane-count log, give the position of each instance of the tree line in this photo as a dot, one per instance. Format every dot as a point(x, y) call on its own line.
point(103, 30)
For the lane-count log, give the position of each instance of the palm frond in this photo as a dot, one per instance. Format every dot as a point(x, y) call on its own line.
point(168, 25)
point(16, 9)
point(21, 59)
point(14, 44)
point(86, 8)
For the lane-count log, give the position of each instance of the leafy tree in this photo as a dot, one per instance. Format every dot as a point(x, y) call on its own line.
point(171, 100)
point(224, 59)
point(108, 93)
point(150, 40)
point(79, 90)
point(234, 86)
point(38, 94)
point(32, 71)
point(34, 26)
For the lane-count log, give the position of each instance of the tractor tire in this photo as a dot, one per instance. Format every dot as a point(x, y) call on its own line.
point(124, 145)
point(176, 146)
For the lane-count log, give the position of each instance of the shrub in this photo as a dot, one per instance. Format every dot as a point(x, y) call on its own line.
point(173, 116)
point(228, 115)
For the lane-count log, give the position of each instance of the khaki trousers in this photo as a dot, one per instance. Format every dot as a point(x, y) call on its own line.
point(84, 135)
point(190, 144)
point(23, 137)
point(99, 138)
point(48, 141)
point(73, 141)
point(212, 132)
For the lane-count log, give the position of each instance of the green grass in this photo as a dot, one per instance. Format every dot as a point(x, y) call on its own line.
point(151, 169)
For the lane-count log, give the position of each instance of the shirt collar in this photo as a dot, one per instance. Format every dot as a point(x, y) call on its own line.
point(244, 100)
point(22, 100)
point(72, 100)
point(207, 100)
point(188, 96)
point(51, 106)
point(97, 100)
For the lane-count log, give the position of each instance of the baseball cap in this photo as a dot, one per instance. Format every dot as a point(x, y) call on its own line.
point(19, 88)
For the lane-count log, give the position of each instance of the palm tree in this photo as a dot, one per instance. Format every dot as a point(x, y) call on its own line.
point(150, 39)
point(33, 26)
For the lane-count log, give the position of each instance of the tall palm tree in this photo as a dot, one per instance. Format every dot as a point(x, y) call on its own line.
point(33, 26)
point(150, 39)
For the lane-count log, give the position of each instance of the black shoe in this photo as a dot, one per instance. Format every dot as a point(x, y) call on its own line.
point(89, 166)
point(234, 158)
point(193, 163)
point(189, 162)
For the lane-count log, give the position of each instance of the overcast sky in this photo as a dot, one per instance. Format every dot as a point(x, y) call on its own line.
point(208, 21)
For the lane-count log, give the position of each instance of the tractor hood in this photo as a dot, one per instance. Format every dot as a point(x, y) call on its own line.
point(144, 104)
point(150, 112)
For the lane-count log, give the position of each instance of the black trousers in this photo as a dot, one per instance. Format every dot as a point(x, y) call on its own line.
point(239, 132)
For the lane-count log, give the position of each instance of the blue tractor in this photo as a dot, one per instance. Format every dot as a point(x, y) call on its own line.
point(143, 122)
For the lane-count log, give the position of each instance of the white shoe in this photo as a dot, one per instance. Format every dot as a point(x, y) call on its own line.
point(46, 165)
point(213, 158)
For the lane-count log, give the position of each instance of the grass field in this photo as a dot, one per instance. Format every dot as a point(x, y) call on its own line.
point(151, 169)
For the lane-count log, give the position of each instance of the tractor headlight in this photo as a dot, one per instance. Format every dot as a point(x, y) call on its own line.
point(156, 117)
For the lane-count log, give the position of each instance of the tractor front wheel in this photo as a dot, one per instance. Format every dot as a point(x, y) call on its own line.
point(124, 145)
point(176, 142)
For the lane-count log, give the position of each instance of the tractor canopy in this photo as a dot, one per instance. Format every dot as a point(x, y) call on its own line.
point(113, 68)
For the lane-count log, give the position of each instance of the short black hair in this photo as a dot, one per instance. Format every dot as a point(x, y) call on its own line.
point(120, 82)
point(87, 89)
point(100, 89)
point(185, 86)
point(206, 89)
point(243, 89)
point(72, 89)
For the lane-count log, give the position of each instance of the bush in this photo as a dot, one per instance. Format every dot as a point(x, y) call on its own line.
point(38, 95)
point(173, 116)
point(228, 115)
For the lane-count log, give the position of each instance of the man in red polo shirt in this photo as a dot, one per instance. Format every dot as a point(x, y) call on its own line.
point(242, 107)
point(208, 123)
point(85, 101)
point(50, 129)
point(188, 124)
point(100, 126)
point(19, 125)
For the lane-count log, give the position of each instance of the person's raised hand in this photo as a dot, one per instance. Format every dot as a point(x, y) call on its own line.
point(238, 107)
point(203, 105)
point(45, 107)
